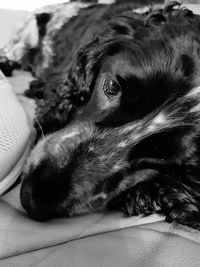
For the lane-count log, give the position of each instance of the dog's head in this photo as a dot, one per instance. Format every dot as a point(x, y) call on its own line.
point(135, 68)
point(120, 74)
point(121, 67)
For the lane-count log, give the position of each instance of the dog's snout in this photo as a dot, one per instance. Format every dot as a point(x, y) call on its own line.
point(39, 192)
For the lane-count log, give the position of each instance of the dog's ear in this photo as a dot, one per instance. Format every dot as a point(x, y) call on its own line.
point(82, 74)
point(55, 105)
point(66, 90)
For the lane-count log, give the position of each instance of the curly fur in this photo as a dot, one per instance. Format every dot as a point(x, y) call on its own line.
point(63, 57)
point(130, 87)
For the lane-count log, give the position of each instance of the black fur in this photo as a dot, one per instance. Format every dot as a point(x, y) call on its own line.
point(69, 82)
point(139, 154)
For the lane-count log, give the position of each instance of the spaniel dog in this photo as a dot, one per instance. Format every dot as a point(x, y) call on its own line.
point(120, 105)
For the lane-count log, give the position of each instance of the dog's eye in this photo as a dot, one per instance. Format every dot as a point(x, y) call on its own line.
point(111, 87)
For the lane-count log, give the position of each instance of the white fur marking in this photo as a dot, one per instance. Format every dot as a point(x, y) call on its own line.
point(103, 157)
point(117, 166)
point(141, 10)
point(91, 148)
point(195, 109)
point(128, 128)
point(59, 145)
point(194, 92)
point(70, 135)
point(101, 195)
point(160, 119)
point(122, 144)
point(152, 127)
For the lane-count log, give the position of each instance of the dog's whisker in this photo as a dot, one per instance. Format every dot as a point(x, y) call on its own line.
point(40, 127)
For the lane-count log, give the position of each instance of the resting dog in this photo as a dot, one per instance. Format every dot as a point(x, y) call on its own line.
point(131, 91)
point(59, 45)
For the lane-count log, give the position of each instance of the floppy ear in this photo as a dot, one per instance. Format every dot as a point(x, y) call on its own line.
point(66, 89)
point(83, 72)
point(54, 106)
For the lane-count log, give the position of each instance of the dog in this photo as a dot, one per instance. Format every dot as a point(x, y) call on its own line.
point(52, 44)
point(126, 136)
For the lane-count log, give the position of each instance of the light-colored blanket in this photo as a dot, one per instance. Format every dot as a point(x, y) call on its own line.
point(92, 240)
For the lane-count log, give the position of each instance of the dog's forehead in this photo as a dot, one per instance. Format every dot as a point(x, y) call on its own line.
point(119, 64)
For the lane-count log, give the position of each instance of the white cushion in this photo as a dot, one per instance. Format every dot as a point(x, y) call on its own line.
point(14, 135)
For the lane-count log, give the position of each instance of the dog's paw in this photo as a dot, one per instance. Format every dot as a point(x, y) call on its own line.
point(140, 199)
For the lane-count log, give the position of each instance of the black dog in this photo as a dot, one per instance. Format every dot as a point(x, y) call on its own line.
point(134, 82)
point(70, 77)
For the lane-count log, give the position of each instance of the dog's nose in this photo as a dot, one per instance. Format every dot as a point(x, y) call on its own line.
point(29, 203)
